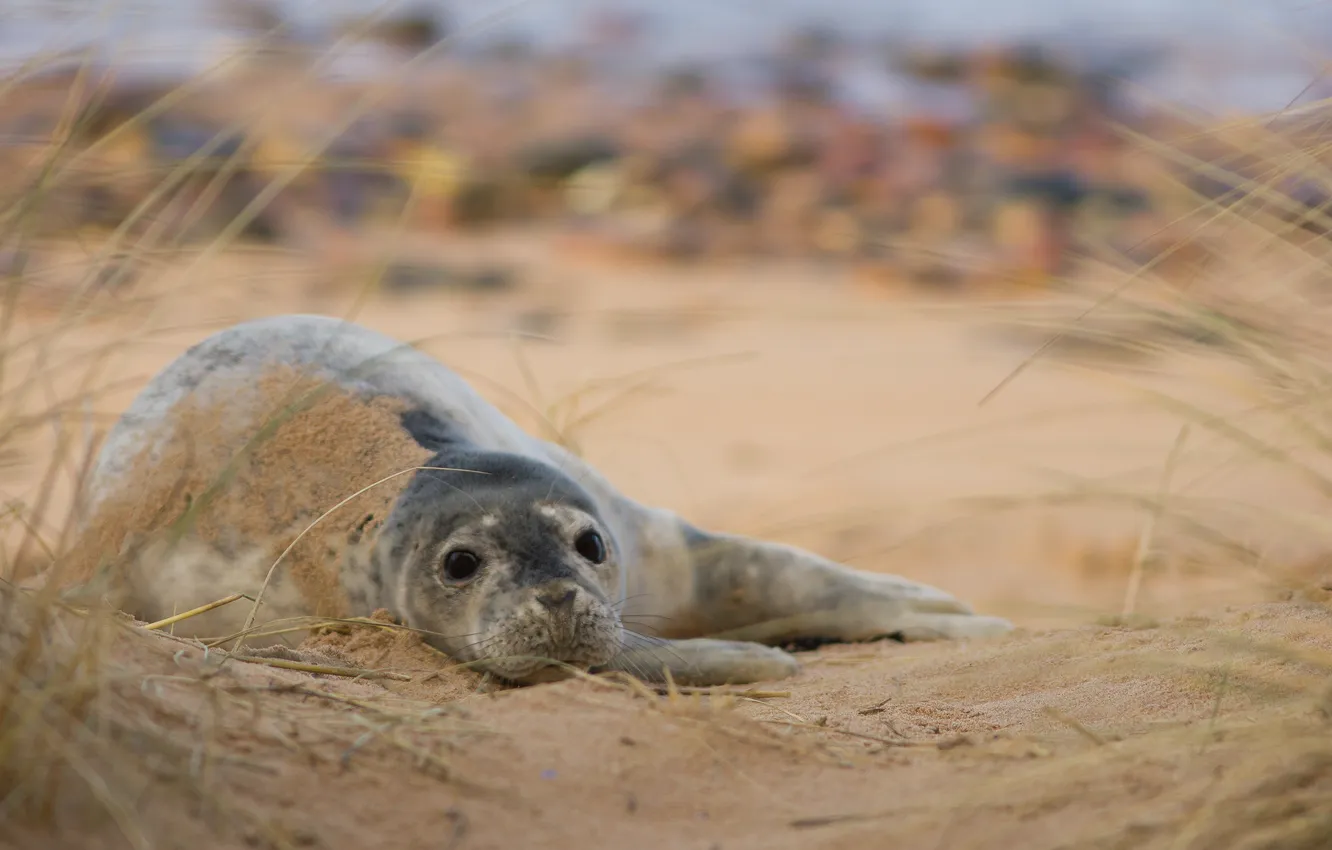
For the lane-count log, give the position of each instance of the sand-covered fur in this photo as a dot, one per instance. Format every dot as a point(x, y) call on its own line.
point(206, 510)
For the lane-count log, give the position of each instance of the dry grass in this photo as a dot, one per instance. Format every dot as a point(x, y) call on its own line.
point(115, 733)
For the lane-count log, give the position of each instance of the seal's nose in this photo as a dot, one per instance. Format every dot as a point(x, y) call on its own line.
point(557, 599)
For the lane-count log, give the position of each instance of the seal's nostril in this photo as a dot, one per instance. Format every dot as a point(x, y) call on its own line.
point(557, 600)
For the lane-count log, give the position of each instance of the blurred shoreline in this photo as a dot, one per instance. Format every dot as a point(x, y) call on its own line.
point(999, 161)
point(1247, 56)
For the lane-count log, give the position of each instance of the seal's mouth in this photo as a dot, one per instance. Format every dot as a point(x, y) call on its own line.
point(541, 675)
point(548, 661)
point(534, 670)
point(549, 639)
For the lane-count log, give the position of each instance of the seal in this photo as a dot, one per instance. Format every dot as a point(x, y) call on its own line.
point(337, 472)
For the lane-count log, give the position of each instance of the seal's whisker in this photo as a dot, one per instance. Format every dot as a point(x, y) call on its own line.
point(640, 672)
point(551, 489)
point(640, 628)
point(645, 640)
point(636, 642)
point(649, 674)
point(631, 665)
point(477, 644)
point(622, 602)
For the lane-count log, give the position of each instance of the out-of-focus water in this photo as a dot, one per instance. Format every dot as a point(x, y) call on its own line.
point(1252, 54)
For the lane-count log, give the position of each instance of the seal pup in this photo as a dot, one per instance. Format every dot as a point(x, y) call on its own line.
point(376, 478)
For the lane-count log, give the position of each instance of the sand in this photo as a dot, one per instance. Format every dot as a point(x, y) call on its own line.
point(791, 404)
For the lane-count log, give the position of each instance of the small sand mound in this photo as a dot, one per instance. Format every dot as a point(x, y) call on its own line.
point(435, 677)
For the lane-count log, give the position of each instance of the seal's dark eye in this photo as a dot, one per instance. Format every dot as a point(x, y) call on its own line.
point(460, 565)
point(590, 545)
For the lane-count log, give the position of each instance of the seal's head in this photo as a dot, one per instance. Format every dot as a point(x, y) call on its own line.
point(505, 564)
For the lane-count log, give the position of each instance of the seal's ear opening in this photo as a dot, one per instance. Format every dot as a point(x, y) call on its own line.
point(429, 431)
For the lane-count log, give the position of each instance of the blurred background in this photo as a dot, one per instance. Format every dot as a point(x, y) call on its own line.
point(767, 256)
point(937, 143)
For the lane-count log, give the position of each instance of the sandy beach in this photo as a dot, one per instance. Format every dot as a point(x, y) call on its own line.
point(796, 405)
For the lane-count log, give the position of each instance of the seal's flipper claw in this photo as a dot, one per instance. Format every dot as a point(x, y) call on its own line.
point(703, 662)
point(924, 627)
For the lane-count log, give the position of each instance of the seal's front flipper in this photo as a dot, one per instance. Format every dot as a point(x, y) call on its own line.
point(755, 590)
point(703, 662)
point(923, 627)
point(866, 620)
